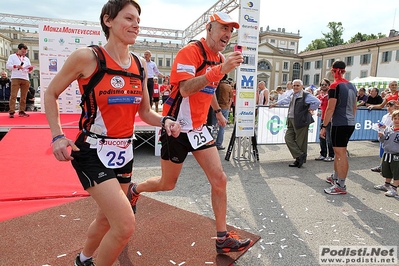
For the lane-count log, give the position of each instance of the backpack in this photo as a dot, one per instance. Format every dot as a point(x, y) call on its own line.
point(98, 75)
point(176, 103)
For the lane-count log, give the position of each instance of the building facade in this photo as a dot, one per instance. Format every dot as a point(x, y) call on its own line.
point(278, 58)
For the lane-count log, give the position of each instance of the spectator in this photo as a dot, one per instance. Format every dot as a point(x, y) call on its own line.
point(390, 164)
point(30, 100)
point(325, 143)
point(262, 95)
point(152, 72)
point(341, 111)
point(374, 98)
point(165, 91)
point(193, 92)
point(107, 117)
point(361, 97)
point(386, 121)
point(301, 104)
point(155, 95)
point(393, 95)
point(5, 91)
point(20, 67)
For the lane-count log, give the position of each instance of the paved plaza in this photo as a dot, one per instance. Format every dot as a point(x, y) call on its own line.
point(287, 206)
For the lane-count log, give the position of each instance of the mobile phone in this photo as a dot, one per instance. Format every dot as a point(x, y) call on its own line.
point(238, 48)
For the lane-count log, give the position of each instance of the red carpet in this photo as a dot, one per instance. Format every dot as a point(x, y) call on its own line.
point(165, 235)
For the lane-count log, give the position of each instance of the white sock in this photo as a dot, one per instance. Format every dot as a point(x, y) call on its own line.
point(82, 257)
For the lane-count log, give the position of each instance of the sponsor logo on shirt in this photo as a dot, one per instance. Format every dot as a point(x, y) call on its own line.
point(117, 82)
point(185, 68)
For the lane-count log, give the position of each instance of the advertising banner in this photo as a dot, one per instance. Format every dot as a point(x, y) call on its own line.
point(56, 43)
point(248, 39)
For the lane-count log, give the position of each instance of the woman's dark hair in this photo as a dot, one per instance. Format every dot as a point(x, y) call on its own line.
point(112, 8)
point(339, 64)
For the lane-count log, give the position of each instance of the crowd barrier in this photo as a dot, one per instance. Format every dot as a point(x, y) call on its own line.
point(271, 125)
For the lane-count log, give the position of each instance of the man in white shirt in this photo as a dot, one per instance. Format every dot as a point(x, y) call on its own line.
point(288, 92)
point(152, 72)
point(20, 67)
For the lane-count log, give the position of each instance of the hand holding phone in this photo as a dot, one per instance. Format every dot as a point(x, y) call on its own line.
point(238, 48)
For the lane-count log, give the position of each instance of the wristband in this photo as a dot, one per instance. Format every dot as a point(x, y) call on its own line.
point(218, 111)
point(323, 126)
point(163, 119)
point(62, 136)
point(214, 75)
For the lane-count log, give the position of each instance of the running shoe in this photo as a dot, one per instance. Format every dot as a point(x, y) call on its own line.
point(132, 197)
point(330, 179)
point(329, 159)
point(335, 190)
point(382, 187)
point(320, 158)
point(232, 243)
point(391, 192)
point(22, 114)
point(88, 262)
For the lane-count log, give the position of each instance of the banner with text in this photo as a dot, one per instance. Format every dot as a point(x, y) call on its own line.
point(56, 43)
point(248, 39)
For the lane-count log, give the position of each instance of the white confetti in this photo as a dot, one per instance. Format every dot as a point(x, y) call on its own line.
point(271, 233)
point(73, 193)
point(279, 254)
point(139, 253)
point(345, 213)
point(336, 240)
point(306, 209)
point(63, 215)
point(308, 232)
point(295, 235)
point(333, 225)
point(192, 244)
point(260, 230)
point(269, 243)
point(271, 221)
point(262, 247)
point(303, 255)
point(379, 228)
point(301, 239)
point(76, 219)
point(259, 255)
point(260, 214)
point(171, 261)
point(182, 263)
point(62, 255)
point(208, 262)
point(282, 239)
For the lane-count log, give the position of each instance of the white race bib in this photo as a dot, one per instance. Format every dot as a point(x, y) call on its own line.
point(115, 153)
point(199, 138)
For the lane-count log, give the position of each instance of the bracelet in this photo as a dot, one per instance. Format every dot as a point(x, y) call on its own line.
point(218, 111)
point(163, 119)
point(323, 126)
point(62, 136)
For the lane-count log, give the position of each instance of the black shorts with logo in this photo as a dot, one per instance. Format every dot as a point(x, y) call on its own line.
point(340, 135)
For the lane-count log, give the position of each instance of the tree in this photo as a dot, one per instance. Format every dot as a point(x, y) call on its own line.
point(334, 37)
point(359, 37)
point(315, 45)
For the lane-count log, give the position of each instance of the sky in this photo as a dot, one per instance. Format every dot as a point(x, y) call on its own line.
point(310, 17)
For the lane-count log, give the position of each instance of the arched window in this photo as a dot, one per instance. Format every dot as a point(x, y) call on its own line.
point(296, 72)
point(263, 65)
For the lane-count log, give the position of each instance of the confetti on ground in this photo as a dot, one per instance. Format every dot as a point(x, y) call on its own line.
point(259, 255)
point(182, 263)
point(282, 239)
point(171, 261)
point(73, 193)
point(269, 243)
point(260, 214)
point(306, 209)
point(301, 239)
point(397, 214)
point(283, 246)
point(333, 225)
point(279, 254)
point(192, 244)
point(63, 215)
point(262, 247)
point(272, 233)
point(336, 240)
point(379, 228)
point(295, 235)
point(62, 255)
point(303, 255)
point(208, 262)
point(308, 232)
point(139, 253)
point(260, 230)
point(345, 213)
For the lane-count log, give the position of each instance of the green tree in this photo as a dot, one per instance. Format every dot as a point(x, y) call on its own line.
point(334, 37)
point(315, 45)
point(359, 37)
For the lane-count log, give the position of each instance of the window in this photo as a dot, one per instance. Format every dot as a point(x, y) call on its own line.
point(349, 60)
point(263, 65)
point(296, 72)
point(292, 43)
point(397, 55)
point(316, 79)
point(35, 55)
point(365, 59)
point(272, 41)
point(285, 67)
point(347, 75)
point(386, 57)
point(285, 79)
point(15, 36)
point(306, 66)
point(306, 79)
point(317, 64)
point(168, 62)
point(160, 62)
point(330, 62)
point(363, 74)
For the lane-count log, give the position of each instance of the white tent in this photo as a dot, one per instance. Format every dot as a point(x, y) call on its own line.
point(373, 82)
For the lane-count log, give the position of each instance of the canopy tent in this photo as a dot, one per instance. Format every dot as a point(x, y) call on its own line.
point(373, 82)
